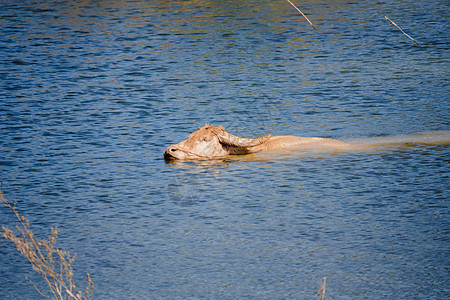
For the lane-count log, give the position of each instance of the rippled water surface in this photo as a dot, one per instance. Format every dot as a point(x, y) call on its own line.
point(91, 93)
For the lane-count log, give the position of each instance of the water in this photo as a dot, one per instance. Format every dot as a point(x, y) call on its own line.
point(92, 93)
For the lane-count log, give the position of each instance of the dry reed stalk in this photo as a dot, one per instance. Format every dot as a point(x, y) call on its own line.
point(321, 291)
point(400, 29)
point(53, 264)
point(302, 14)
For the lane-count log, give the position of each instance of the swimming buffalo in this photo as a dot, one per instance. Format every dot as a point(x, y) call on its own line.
point(213, 141)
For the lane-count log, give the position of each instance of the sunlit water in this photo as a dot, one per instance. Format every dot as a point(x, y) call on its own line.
point(91, 93)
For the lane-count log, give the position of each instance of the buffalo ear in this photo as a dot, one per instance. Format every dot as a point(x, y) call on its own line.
point(232, 140)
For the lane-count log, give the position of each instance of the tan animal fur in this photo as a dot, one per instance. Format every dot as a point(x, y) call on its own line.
point(213, 141)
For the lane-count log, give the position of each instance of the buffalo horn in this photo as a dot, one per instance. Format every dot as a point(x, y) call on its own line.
point(232, 140)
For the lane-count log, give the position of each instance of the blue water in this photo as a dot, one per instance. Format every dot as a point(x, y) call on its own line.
point(92, 92)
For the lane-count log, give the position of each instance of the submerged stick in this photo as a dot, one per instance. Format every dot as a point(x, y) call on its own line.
point(302, 14)
point(400, 29)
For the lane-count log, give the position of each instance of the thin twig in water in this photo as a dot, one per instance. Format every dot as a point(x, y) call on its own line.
point(400, 29)
point(321, 291)
point(302, 14)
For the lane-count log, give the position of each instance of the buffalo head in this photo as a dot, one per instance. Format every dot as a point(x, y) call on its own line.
point(209, 142)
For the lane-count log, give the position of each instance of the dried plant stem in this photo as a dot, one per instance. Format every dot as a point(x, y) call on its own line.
point(302, 14)
point(53, 264)
point(323, 288)
point(321, 291)
point(400, 29)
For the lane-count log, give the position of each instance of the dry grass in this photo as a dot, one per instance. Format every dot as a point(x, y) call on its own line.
point(53, 264)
